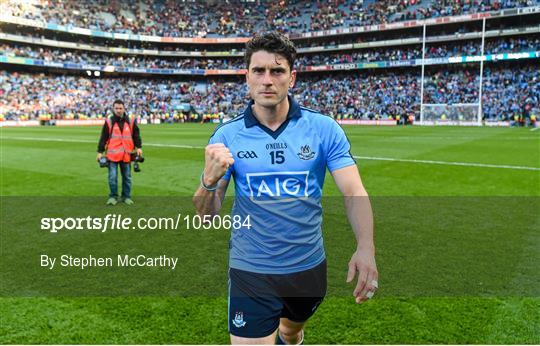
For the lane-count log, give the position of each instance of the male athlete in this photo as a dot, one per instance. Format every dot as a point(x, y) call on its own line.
point(278, 152)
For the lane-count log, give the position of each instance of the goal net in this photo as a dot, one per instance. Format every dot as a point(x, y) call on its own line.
point(450, 114)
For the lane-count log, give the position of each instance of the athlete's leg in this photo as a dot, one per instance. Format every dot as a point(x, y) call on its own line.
point(254, 309)
point(292, 333)
point(310, 289)
point(267, 340)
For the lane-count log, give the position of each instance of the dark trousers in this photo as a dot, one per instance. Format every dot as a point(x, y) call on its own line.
point(125, 169)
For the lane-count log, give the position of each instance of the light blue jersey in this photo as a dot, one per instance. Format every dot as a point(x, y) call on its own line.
point(278, 178)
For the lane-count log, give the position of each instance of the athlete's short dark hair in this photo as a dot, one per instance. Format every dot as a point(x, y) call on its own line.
point(272, 42)
point(118, 102)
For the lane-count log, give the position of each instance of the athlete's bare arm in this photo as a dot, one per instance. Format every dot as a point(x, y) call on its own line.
point(360, 217)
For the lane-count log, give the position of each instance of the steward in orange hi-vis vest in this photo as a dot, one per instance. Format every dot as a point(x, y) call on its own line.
point(120, 144)
point(120, 137)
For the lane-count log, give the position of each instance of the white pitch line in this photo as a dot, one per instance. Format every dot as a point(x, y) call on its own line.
point(448, 163)
point(46, 139)
point(431, 162)
point(172, 146)
point(536, 128)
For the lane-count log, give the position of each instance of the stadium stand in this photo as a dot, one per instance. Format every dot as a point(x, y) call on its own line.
point(366, 95)
point(242, 18)
point(191, 68)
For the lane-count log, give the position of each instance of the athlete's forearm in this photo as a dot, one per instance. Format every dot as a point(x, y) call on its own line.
point(360, 217)
point(209, 202)
point(206, 202)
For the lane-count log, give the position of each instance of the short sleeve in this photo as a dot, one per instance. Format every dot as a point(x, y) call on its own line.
point(218, 137)
point(338, 148)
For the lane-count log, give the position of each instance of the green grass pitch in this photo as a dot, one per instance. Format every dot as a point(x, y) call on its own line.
point(458, 247)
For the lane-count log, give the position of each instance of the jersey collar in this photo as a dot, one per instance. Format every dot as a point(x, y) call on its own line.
point(294, 112)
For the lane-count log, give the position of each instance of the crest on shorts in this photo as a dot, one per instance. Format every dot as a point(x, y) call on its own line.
point(239, 320)
point(306, 153)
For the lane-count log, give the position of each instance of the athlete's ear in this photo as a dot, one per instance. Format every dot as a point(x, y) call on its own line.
point(293, 78)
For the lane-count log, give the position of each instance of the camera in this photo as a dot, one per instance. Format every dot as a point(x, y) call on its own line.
point(103, 162)
point(136, 160)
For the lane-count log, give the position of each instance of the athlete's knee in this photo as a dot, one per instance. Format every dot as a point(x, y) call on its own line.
point(291, 333)
point(267, 340)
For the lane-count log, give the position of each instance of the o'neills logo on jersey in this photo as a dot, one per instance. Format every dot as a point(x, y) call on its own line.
point(275, 187)
point(273, 146)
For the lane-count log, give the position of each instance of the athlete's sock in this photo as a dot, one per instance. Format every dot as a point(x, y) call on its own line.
point(279, 340)
point(302, 338)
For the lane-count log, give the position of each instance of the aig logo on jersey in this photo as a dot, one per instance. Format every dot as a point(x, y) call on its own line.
point(276, 187)
point(247, 154)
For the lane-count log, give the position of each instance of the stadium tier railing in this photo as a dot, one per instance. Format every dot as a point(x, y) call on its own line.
point(207, 72)
point(235, 53)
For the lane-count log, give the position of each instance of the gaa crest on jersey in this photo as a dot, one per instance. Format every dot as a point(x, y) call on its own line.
point(238, 320)
point(247, 154)
point(306, 153)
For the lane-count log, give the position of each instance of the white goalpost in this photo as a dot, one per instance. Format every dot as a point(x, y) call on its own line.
point(468, 114)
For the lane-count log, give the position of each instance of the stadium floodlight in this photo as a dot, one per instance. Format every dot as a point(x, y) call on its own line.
point(89, 73)
point(97, 73)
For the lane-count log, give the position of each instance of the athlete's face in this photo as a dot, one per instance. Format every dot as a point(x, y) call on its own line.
point(118, 109)
point(269, 78)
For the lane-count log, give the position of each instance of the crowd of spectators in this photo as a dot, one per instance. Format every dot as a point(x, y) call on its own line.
point(50, 54)
point(364, 55)
point(491, 46)
point(445, 8)
point(64, 96)
point(506, 91)
point(513, 45)
point(81, 14)
point(363, 95)
point(446, 86)
point(380, 12)
point(441, 50)
point(241, 18)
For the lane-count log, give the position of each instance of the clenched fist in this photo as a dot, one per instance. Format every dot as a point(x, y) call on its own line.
point(218, 159)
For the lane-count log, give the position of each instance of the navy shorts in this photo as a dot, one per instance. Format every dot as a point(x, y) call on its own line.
point(258, 301)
